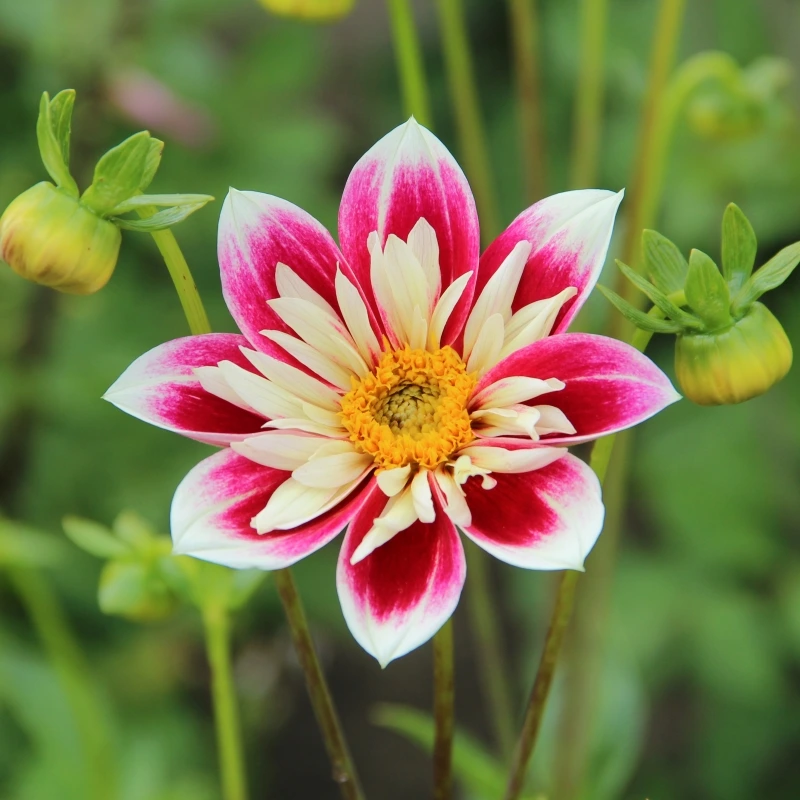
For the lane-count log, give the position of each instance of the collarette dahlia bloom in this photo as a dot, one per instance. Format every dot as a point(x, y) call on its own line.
point(400, 386)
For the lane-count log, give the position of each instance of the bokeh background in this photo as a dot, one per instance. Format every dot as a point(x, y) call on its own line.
point(698, 681)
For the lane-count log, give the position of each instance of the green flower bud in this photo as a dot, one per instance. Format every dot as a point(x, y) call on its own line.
point(734, 364)
point(49, 237)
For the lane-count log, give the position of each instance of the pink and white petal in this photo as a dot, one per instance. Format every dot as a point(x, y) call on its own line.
point(215, 503)
point(161, 388)
point(408, 175)
point(570, 233)
point(397, 597)
point(609, 385)
point(256, 233)
point(547, 519)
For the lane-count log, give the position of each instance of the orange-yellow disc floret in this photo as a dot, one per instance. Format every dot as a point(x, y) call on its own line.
point(412, 409)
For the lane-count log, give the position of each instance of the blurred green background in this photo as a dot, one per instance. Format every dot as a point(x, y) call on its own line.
point(699, 682)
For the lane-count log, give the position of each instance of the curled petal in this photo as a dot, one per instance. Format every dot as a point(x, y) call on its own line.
point(546, 519)
point(215, 503)
point(570, 234)
point(161, 387)
point(609, 386)
point(407, 176)
point(397, 597)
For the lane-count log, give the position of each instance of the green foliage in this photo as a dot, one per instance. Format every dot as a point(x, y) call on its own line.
point(739, 246)
point(52, 132)
point(663, 262)
point(707, 292)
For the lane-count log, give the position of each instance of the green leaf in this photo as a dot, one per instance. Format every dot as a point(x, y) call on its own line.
point(51, 149)
point(134, 530)
point(169, 200)
point(94, 538)
point(159, 221)
point(22, 546)
point(151, 163)
point(707, 292)
point(659, 299)
point(61, 118)
point(768, 277)
point(663, 262)
point(134, 590)
point(641, 320)
point(480, 772)
point(738, 246)
point(118, 174)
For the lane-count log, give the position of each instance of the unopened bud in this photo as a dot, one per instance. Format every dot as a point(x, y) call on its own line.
point(49, 237)
point(735, 364)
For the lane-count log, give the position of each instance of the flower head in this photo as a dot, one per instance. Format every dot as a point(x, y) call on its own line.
point(401, 386)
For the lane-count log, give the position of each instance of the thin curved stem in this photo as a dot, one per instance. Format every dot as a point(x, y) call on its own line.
point(524, 21)
point(486, 627)
point(587, 115)
point(74, 674)
point(181, 276)
point(443, 712)
point(216, 624)
point(344, 772)
point(410, 65)
point(463, 90)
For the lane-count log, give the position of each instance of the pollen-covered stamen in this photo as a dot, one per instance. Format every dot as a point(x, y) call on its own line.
point(412, 409)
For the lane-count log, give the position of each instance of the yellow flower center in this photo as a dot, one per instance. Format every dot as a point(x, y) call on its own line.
point(412, 409)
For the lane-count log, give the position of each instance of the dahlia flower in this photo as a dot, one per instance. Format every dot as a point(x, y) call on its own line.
point(399, 386)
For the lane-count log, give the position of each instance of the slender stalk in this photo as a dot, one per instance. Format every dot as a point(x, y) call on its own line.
point(216, 624)
point(565, 597)
point(443, 712)
point(587, 114)
point(344, 772)
point(464, 93)
point(75, 676)
point(410, 65)
point(665, 43)
point(486, 626)
point(564, 603)
point(524, 21)
point(181, 276)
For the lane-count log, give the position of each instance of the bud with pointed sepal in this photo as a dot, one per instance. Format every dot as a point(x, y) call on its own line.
point(730, 348)
point(53, 235)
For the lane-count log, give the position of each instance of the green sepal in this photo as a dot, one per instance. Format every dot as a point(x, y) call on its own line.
point(151, 163)
point(161, 220)
point(61, 119)
point(480, 772)
point(94, 538)
point(134, 590)
point(768, 277)
point(663, 262)
point(659, 299)
point(641, 320)
point(168, 200)
point(738, 247)
point(119, 174)
point(707, 292)
point(49, 128)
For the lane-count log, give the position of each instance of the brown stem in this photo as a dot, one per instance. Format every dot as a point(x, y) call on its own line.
point(565, 598)
point(344, 772)
point(443, 704)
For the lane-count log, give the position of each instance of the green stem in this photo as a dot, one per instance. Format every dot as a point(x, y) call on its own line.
point(75, 676)
point(443, 712)
point(565, 597)
point(587, 119)
point(564, 603)
point(344, 773)
point(410, 65)
point(486, 626)
point(525, 42)
point(464, 93)
point(216, 624)
point(181, 276)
